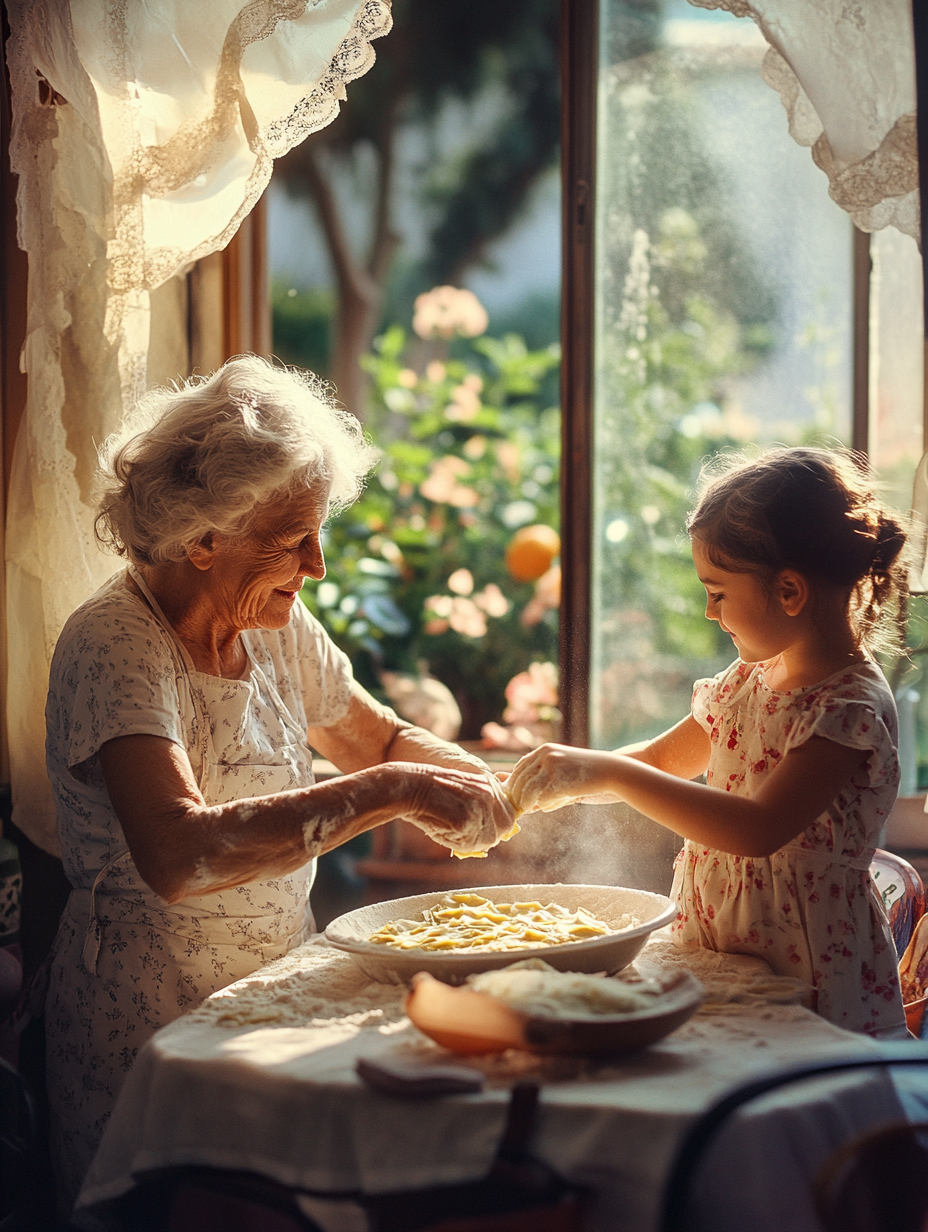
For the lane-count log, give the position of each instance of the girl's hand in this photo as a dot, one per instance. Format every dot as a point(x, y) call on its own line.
point(556, 774)
point(466, 812)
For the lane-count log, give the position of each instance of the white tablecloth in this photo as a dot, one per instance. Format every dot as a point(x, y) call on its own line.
point(261, 1078)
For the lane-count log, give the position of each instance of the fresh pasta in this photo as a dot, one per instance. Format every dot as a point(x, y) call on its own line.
point(465, 921)
point(482, 855)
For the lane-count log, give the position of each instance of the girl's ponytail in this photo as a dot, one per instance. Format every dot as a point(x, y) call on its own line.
point(887, 581)
point(889, 542)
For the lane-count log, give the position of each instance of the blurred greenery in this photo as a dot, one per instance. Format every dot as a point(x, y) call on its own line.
point(670, 348)
point(686, 311)
point(302, 325)
point(470, 453)
point(474, 85)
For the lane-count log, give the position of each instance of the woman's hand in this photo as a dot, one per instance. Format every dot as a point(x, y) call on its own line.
point(554, 775)
point(461, 810)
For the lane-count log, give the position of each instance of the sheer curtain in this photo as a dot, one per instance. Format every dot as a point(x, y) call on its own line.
point(143, 133)
point(845, 70)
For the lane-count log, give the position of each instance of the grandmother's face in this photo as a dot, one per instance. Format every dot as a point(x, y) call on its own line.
point(255, 578)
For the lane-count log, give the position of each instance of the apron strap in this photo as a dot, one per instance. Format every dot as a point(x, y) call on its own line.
point(273, 693)
point(199, 721)
point(93, 933)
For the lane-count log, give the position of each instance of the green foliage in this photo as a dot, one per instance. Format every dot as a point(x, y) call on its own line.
point(666, 357)
point(302, 324)
point(469, 454)
point(685, 311)
point(461, 52)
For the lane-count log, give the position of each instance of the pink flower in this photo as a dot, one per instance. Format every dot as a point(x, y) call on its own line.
point(441, 605)
point(531, 695)
point(492, 600)
point(458, 613)
point(461, 582)
point(467, 619)
point(465, 404)
point(510, 457)
point(547, 596)
point(443, 486)
point(446, 311)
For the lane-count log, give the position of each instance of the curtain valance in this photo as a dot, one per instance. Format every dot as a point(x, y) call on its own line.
point(845, 71)
point(143, 133)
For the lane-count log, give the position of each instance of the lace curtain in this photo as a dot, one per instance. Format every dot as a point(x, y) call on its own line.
point(143, 133)
point(845, 71)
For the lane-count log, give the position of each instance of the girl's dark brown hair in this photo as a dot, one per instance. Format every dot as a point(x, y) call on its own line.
point(812, 510)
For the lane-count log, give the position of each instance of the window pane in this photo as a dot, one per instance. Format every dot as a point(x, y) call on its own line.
point(896, 362)
point(723, 318)
point(896, 431)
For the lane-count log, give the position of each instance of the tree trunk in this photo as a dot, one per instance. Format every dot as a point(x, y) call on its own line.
point(360, 286)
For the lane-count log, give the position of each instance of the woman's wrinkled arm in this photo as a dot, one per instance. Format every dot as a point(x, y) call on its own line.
point(182, 846)
point(371, 734)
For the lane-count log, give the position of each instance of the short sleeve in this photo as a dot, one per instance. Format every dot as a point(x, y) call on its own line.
point(324, 671)
point(112, 675)
point(714, 691)
point(861, 722)
point(845, 721)
point(704, 692)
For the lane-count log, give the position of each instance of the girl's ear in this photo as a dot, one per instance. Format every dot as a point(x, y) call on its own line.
point(201, 553)
point(793, 591)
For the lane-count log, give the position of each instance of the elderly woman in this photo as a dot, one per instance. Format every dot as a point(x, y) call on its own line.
point(183, 700)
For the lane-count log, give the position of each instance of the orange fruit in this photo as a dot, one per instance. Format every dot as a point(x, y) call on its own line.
point(531, 551)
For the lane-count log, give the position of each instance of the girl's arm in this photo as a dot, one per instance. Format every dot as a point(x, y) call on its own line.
point(682, 750)
point(788, 801)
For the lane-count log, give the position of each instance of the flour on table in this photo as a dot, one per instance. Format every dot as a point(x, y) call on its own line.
point(730, 980)
point(311, 986)
point(318, 986)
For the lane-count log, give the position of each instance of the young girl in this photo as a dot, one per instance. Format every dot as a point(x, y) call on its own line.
point(797, 737)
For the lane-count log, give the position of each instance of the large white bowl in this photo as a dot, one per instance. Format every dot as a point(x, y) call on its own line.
point(610, 953)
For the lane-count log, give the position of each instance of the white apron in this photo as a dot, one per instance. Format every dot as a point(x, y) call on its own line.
point(125, 962)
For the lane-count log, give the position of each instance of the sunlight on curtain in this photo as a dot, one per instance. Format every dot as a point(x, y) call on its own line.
point(143, 133)
point(846, 76)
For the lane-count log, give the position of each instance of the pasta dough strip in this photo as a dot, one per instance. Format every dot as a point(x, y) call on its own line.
point(466, 921)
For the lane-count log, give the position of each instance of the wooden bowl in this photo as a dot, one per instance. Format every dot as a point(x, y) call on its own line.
point(470, 1022)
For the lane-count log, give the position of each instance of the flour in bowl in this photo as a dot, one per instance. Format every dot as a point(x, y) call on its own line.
point(534, 987)
point(464, 921)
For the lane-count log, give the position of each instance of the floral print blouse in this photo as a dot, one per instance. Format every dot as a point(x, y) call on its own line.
point(810, 909)
point(126, 962)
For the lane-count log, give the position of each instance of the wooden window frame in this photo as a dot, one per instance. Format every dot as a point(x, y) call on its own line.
point(579, 80)
point(579, 74)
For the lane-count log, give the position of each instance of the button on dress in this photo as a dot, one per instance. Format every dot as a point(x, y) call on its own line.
point(125, 962)
point(811, 909)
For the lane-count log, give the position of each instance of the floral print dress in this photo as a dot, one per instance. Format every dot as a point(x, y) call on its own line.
point(810, 909)
point(126, 962)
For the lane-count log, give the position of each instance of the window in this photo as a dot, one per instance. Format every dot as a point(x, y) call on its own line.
point(717, 297)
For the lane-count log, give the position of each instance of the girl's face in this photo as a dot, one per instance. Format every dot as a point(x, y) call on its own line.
point(747, 607)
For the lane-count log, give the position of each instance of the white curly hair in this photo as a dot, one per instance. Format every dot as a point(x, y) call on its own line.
point(207, 454)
